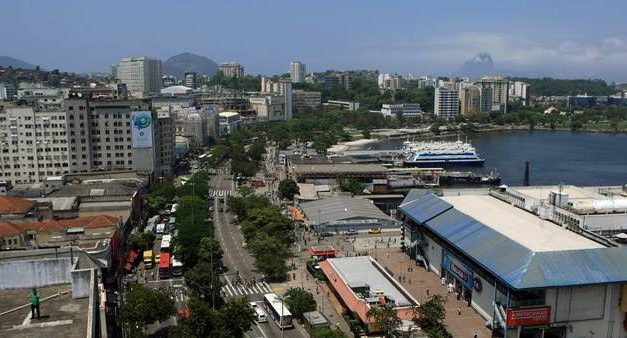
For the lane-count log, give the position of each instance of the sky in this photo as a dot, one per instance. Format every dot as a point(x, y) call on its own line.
point(558, 38)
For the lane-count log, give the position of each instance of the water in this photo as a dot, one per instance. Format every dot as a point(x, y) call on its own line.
point(585, 159)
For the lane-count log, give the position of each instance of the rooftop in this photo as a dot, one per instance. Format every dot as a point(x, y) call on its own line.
point(100, 221)
point(523, 227)
point(100, 189)
point(361, 270)
point(15, 205)
point(62, 315)
point(305, 168)
point(338, 208)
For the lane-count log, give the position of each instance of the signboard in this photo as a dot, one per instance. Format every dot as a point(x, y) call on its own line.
point(529, 316)
point(142, 129)
point(459, 270)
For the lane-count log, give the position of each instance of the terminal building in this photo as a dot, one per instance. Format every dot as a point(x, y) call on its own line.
point(526, 275)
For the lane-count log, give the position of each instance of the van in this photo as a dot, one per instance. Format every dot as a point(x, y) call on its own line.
point(261, 315)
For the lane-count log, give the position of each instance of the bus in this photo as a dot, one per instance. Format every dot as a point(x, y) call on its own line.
point(166, 243)
point(148, 259)
point(277, 310)
point(164, 266)
point(177, 267)
point(160, 229)
point(173, 209)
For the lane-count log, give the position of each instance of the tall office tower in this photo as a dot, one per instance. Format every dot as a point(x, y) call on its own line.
point(500, 92)
point(446, 103)
point(470, 100)
point(231, 69)
point(190, 79)
point(297, 72)
point(142, 75)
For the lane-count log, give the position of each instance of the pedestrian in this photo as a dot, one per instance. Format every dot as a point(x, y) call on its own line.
point(34, 303)
point(442, 281)
point(459, 311)
point(427, 291)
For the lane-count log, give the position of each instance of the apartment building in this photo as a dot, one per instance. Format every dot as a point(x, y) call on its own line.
point(297, 72)
point(231, 70)
point(142, 75)
point(500, 92)
point(305, 100)
point(470, 100)
point(446, 103)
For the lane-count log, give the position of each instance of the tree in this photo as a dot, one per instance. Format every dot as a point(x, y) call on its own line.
point(386, 318)
point(142, 240)
point(209, 250)
point(299, 301)
point(270, 255)
point(326, 332)
point(231, 320)
point(350, 184)
point(288, 188)
point(430, 316)
point(143, 306)
point(199, 281)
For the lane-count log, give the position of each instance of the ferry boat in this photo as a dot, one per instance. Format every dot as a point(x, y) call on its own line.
point(440, 154)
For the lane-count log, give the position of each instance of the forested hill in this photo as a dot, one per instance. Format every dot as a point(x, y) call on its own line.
point(555, 87)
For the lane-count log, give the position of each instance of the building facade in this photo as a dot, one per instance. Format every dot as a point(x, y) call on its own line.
point(142, 75)
point(230, 122)
point(446, 103)
point(406, 110)
point(297, 72)
point(191, 80)
point(500, 92)
point(470, 100)
point(520, 91)
point(305, 100)
point(231, 70)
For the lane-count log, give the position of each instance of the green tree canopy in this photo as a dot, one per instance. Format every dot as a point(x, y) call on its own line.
point(232, 320)
point(430, 317)
point(143, 306)
point(299, 301)
point(288, 188)
point(385, 317)
point(326, 332)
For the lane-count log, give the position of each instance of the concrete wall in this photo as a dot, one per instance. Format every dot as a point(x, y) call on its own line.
point(81, 283)
point(35, 273)
point(482, 301)
point(433, 253)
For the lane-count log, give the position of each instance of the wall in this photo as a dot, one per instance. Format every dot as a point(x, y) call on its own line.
point(81, 283)
point(482, 301)
point(35, 273)
point(433, 253)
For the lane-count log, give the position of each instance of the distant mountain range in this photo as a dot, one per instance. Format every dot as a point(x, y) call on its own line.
point(177, 65)
point(7, 61)
point(482, 65)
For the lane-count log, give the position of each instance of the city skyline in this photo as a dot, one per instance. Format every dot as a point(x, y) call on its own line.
point(533, 38)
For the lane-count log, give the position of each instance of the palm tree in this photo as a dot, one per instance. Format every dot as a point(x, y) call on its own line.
point(386, 318)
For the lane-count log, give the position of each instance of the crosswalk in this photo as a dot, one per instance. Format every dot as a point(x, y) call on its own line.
point(229, 290)
point(220, 193)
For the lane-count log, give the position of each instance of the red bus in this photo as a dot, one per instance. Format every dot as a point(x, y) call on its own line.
point(164, 265)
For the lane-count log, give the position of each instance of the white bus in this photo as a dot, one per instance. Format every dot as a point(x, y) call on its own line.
point(160, 228)
point(166, 243)
point(277, 310)
point(173, 209)
point(177, 267)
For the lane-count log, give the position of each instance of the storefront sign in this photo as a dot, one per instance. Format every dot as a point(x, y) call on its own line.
point(459, 270)
point(529, 316)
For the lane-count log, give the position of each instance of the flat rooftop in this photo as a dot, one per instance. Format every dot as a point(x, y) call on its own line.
point(520, 226)
point(543, 192)
point(61, 315)
point(356, 271)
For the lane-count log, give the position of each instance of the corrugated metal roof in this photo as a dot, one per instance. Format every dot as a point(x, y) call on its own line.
point(512, 263)
point(340, 208)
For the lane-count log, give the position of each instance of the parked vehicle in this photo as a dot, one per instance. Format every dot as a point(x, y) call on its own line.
point(374, 231)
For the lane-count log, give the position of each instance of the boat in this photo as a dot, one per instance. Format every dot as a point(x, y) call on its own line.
point(440, 154)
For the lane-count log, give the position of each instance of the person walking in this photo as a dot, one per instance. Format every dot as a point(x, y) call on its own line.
point(34, 303)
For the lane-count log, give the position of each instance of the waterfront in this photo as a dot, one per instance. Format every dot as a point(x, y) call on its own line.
point(556, 156)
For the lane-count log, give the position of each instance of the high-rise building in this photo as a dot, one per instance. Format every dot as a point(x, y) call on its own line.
point(486, 100)
point(281, 87)
point(306, 100)
point(297, 72)
point(142, 75)
point(470, 100)
point(231, 70)
point(337, 79)
point(8, 92)
point(520, 91)
point(446, 103)
point(191, 80)
point(500, 92)
point(390, 81)
point(167, 81)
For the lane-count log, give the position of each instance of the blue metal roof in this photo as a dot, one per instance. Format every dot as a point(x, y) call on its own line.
point(510, 262)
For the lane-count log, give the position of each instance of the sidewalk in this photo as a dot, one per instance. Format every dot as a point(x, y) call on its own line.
point(418, 281)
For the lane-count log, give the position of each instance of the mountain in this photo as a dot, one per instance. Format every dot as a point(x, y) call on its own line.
point(7, 61)
point(188, 62)
point(476, 68)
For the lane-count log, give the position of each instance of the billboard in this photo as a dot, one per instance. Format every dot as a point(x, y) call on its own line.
point(529, 316)
point(142, 129)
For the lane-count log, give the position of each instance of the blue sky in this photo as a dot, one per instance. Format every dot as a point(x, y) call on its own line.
point(558, 38)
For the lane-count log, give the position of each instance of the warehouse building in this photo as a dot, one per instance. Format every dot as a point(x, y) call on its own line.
point(343, 213)
point(528, 276)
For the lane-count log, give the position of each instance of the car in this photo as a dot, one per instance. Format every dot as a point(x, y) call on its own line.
point(326, 234)
point(352, 232)
point(374, 231)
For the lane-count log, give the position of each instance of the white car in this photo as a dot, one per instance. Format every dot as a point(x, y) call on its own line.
point(261, 314)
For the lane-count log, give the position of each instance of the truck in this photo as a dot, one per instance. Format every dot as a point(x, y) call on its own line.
point(148, 259)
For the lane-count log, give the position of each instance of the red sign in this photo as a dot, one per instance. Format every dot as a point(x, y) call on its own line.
point(529, 316)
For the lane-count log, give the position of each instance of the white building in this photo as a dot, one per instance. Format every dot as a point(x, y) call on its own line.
point(268, 109)
point(231, 70)
point(390, 81)
point(176, 91)
point(406, 110)
point(446, 103)
point(230, 122)
point(526, 275)
point(142, 75)
point(297, 72)
point(520, 91)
